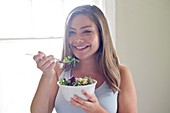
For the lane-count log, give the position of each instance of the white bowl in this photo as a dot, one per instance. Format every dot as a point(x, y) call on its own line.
point(69, 91)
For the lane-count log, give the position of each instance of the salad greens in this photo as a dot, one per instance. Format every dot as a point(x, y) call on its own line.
point(70, 60)
point(72, 81)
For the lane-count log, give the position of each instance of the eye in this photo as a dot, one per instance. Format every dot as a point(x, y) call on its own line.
point(87, 32)
point(71, 33)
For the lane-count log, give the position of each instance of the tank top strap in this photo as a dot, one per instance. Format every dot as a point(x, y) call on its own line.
point(65, 74)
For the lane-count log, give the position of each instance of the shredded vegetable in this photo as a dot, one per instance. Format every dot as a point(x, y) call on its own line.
point(72, 81)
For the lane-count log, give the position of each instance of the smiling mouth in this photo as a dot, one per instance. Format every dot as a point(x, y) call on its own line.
point(81, 47)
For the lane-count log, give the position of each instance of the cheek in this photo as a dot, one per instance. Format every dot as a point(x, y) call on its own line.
point(70, 40)
point(96, 41)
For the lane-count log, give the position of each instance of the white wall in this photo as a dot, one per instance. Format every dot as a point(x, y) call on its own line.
point(143, 43)
point(109, 10)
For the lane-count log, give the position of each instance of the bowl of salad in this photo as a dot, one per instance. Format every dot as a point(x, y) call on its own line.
point(74, 86)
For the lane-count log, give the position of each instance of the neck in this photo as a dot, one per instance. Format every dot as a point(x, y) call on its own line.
point(87, 65)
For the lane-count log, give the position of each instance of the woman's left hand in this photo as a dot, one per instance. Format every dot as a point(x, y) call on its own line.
point(89, 106)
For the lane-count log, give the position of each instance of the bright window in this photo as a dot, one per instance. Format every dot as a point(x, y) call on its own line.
point(35, 18)
point(27, 26)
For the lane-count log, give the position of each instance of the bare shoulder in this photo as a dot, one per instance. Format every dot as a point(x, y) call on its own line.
point(127, 95)
point(126, 78)
point(125, 74)
point(124, 70)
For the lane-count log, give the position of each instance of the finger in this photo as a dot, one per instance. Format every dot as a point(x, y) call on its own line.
point(78, 102)
point(90, 97)
point(49, 64)
point(48, 71)
point(40, 52)
point(39, 56)
point(42, 63)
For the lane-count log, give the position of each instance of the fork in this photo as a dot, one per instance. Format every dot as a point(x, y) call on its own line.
point(58, 60)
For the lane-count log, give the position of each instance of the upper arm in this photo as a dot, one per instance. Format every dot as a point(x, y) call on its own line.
point(127, 99)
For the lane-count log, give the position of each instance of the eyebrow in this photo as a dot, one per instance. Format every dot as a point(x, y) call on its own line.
point(81, 27)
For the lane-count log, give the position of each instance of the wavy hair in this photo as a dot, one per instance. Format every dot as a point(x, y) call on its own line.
point(106, 54)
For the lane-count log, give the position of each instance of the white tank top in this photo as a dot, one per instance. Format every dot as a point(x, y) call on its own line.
point(106, 97)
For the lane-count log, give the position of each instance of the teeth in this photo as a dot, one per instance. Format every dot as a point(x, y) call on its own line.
point(81, 47)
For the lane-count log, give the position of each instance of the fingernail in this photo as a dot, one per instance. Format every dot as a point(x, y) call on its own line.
point(75, 97)
point(83, 91)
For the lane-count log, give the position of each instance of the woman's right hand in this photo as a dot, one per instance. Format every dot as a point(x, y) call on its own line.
point(45, 63)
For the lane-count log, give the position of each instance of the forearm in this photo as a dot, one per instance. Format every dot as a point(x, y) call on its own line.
point(101, 110)
point(40, 103)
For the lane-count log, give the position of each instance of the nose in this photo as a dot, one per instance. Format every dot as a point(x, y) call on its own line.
point(79, 41)
point(78, 38)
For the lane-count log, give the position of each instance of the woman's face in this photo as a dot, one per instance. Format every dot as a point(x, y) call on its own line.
point(83, 37)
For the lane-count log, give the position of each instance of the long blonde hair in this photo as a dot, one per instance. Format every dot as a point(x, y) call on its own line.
point(106, 54)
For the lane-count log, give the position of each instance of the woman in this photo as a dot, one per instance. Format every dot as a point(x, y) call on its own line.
point(88, 39)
